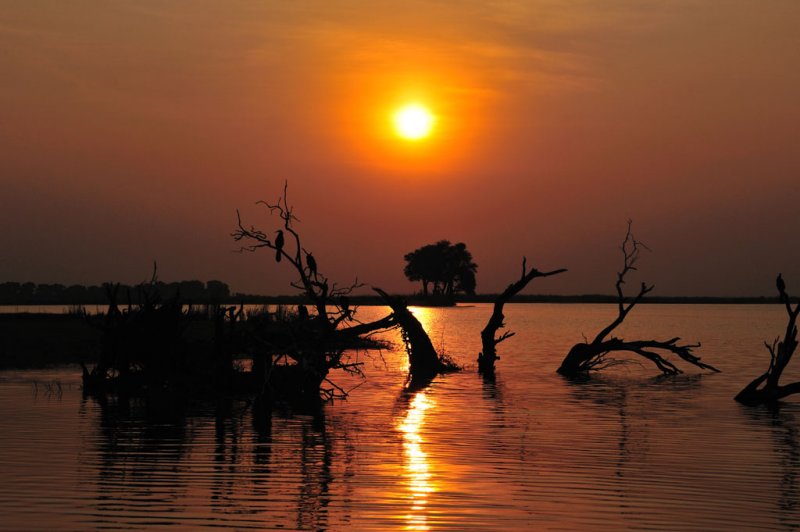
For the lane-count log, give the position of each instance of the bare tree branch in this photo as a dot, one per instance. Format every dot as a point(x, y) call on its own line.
point(630, 251)
point(594, 355)
point(315, 342)
point(780, 354)
point(488, 355)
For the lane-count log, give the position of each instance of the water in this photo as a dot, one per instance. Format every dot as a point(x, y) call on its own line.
point(624, 450)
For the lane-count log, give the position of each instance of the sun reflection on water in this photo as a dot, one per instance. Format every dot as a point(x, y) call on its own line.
point(425, 315)
point(417, 468)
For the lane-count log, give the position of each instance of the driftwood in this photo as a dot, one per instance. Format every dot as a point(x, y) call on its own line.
point(489, 341)
point(423, 361)
point(593, 355)
point(780, 353)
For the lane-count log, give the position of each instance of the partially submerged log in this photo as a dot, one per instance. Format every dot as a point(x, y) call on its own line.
point(594, 355)
point(424, 362)
point(489, 341)
point(780, 353)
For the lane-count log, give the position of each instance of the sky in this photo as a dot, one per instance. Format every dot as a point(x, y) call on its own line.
point(133, 131)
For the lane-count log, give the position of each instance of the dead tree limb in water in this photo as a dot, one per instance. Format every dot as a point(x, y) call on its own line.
point(489, 341)
point(424, 362)
point(780, 353)
point(594, 355)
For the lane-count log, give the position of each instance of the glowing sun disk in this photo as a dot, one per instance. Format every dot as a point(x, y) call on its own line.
point(413, 122)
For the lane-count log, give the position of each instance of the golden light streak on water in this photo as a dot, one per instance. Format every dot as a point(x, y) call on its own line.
point(417, 467)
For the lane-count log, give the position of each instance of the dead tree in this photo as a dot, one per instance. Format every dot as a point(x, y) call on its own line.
point(489, 341)
point(594, 355)
point(780, 353)
point(423, 361)
point(316, 344)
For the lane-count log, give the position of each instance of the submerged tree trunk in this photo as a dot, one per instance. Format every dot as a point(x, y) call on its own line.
point(591, 356)
point(594, 355)
point(424, 362)
point(487, 357)
point(780, 354)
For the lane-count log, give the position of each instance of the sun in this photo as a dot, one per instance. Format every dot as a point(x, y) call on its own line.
point(413, 121)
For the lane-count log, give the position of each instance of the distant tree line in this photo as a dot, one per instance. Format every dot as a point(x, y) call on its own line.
point(12, 293)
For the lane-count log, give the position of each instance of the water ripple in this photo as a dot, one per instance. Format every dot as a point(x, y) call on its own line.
point(528, 451)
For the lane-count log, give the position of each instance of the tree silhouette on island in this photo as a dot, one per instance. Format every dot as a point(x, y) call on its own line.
point(444, 269)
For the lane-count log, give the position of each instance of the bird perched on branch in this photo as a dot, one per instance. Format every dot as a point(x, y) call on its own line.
point(780, 284)
point(278, 245)
point(312, 264)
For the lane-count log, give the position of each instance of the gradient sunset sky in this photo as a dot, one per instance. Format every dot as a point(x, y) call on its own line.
point(132, 131)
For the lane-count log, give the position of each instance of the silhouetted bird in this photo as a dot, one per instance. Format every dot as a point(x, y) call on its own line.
point(278, 245)
point(312, 264)
point(780, 284)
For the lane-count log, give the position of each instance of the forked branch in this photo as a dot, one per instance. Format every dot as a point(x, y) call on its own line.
point(489, 341)
point(780, 354)
point(594, 355)
point(314, 284)
point(315, 343)
point(630, 252)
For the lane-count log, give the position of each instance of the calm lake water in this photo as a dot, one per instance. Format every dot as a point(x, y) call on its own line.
point(623, 450)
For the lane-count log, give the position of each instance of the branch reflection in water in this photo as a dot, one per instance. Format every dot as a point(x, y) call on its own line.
point(157, 454)
point(417, 468)
point(780, 422)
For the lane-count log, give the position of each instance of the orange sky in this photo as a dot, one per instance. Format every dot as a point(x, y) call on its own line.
point(131, 131)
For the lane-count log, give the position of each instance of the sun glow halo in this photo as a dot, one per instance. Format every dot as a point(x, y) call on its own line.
point(413, 121)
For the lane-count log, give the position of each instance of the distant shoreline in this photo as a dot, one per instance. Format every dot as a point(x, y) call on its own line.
point(489, 298)
point(416, 300)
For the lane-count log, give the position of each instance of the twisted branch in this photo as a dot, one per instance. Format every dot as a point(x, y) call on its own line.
point(489, 342)
point(780, 354)
point(593, 356)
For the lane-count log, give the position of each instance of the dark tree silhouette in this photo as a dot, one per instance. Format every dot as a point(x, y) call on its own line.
point(423, 360)
point(594, 355)
point(193, 292)
point(217, 291)
point(316, 345)
point(489, 341)
point(143, 345)
point(780, 353)
point(279, 240)
point(448, 267)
